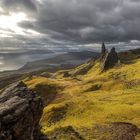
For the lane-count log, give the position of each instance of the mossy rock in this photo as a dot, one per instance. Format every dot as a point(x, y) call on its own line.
point(55, 114)
point(116, 131)
point(64, 133)
point(46, 91)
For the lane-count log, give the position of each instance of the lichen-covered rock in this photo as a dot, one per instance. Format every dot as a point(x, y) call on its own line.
point(110, 60)
point(20, 112)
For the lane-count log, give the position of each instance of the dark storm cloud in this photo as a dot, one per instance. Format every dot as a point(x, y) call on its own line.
point(88, 20)
point(18, 5)
point(83, 21)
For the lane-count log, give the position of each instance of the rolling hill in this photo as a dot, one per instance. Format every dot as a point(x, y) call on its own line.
point(45, 66)
point(85, 103)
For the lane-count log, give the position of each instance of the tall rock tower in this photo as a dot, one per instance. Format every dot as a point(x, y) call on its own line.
point(110, 60)
point(103, 51)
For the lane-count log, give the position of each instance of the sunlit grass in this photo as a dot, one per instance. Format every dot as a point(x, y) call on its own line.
point(94, 97)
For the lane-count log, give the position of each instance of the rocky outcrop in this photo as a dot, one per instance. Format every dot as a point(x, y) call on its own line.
point(110, 60)
point(104, 51)
point(20, 112)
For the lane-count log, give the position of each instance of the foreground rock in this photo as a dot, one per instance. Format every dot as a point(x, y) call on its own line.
point(20, 112)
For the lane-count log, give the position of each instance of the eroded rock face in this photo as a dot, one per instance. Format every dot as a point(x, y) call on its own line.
point(110, 60)
point(20, 112)
point(104, 51)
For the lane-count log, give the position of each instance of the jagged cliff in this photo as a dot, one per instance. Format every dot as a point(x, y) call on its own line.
point(20, 112)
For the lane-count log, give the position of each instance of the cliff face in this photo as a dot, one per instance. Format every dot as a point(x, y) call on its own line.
point(20, 112)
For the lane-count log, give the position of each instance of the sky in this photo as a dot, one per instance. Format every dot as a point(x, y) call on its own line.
point(34, 24)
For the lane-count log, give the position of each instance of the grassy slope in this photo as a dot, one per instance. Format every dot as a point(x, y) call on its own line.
point(82, 101)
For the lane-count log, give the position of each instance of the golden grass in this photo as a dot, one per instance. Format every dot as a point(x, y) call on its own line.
point(96, 98)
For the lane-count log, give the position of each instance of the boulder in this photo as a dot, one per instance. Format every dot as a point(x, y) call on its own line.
point(20, 113)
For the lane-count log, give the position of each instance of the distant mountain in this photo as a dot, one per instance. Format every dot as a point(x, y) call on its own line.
point(67, 59)
point(12, 60)
point(26, 52)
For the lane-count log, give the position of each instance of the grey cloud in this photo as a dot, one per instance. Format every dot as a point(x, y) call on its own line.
point(89, 20)
point(19, 5)
point(84, 21)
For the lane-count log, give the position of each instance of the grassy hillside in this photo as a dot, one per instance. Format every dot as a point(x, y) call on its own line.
point(90, 104)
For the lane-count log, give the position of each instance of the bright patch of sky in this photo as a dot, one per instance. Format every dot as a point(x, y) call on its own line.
point(9, 25)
